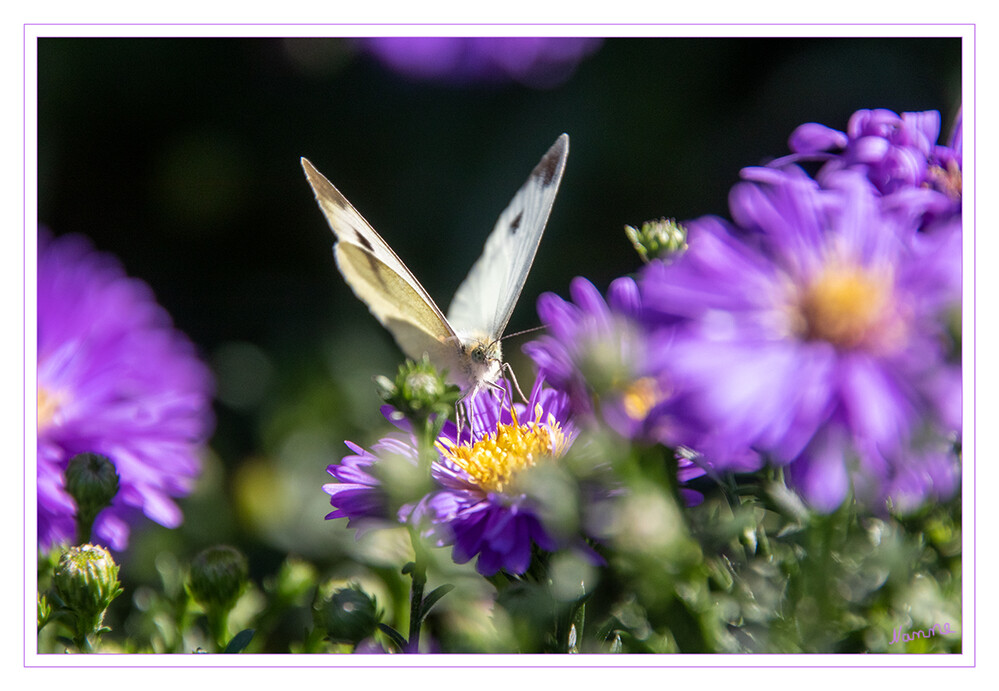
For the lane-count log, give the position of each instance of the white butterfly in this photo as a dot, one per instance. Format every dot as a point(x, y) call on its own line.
point(467, 342)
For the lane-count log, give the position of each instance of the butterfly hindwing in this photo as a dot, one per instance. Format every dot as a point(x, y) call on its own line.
point(485, 300)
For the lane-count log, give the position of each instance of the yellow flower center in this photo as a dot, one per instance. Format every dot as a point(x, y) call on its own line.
point(641, 397)
point(49, 403)
point(493, 461)
point(846, 305)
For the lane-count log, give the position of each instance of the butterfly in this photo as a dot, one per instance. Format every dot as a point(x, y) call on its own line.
point(465, 343)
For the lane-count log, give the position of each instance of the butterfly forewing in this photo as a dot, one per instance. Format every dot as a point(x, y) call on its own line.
point(380, 279)
point(485, 300)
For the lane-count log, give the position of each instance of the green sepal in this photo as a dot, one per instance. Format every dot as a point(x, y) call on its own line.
point(394, 635)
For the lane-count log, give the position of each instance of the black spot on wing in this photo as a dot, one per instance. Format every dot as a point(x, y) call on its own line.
point(515, 223)
point(364, 242)
point(376, 266)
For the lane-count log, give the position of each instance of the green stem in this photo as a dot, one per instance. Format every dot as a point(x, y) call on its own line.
point(419, 575)
point(426, 431)
point(83, 644)
point(85, 634)
point(84, 528)
point(218, 627)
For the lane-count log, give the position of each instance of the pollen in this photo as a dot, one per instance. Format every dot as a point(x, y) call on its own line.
point(846, 305)
point(948, 180)
point(641, 397)
point(49, 403)
point(493, 461)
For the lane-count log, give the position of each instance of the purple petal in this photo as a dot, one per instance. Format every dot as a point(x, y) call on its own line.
point(813, 137)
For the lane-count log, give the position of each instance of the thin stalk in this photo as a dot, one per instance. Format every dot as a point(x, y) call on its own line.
point(218, 627)
point(419, 576)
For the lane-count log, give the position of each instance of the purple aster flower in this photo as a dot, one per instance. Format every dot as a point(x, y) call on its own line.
point(358, 493)
point(477, 502)
point(114, 378)
point(613, 367)
point(485, 507)
point(601, 355)
point(534, 61)
point(811, 333)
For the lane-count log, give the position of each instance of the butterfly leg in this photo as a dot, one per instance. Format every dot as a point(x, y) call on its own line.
point(460, 416)
point(463, 414)
point(508, 369)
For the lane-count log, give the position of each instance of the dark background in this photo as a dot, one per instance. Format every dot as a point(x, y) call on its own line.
point(181, 156)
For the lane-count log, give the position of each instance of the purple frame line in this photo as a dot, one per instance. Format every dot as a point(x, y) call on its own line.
point(974, 302)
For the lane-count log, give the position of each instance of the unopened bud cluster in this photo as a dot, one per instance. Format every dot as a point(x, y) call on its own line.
point(418, 390)
point(659, 239)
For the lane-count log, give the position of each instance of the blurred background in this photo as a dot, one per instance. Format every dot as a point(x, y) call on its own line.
point(181, 157)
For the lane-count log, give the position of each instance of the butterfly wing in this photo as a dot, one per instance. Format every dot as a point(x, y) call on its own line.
point(485, 300)
point(380, 279)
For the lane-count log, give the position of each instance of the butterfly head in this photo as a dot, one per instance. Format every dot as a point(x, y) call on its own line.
point(483, 361)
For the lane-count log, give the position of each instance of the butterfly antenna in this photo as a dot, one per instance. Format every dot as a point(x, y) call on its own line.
point(521, 333)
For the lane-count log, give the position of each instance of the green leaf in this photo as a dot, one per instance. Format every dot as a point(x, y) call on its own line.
point(240, 641)
point(394, 635)
point(431, 599)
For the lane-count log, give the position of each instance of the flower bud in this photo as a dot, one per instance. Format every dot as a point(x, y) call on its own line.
point(86, 580)
point(418, 390)
point(218, 577)
point(92, 481)
point(347, 615)
point(658, 239)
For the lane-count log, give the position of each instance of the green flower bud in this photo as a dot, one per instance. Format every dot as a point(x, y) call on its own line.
point(660, 239)
point(347, 615)
point(92, 481)
point(86, 580)
point(218, 577)
point(419, 391)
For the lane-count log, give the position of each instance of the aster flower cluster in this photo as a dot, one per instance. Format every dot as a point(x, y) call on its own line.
point(813, 332)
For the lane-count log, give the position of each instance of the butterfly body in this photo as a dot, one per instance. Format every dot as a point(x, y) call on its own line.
point(466, 343)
